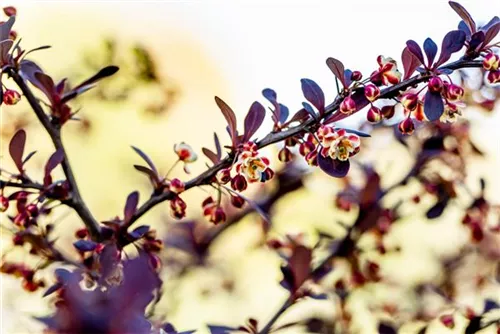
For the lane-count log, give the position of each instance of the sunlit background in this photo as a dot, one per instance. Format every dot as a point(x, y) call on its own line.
point(232, 49)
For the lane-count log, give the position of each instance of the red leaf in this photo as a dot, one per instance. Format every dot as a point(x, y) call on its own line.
point(410, 63)
point(415, 49)
point(253, 120)
point(16, 149)
point(300, 265)
point(130, 206)
point(55, 159)
point(335, 168)
point(45, 84)
point(217, 146)
point(210, 155)
point(230, 118)
point(491, 33)
point(464, 14)
point(452, 42)
point(337, 68)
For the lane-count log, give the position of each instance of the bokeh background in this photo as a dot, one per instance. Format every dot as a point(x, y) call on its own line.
point(232, 49)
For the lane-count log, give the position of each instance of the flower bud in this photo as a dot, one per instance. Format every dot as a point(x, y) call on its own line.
point(177, 208)
point(4, 203)
point(356, 76)
point(435, 84)
point(82, 233)
point(285, 155)
point(237, 201)
point(176, 186)
point(373, 115)
point(306, 147)
point(453, 92)
point(372, 92)
point(218, 216)
point(12, 35)
point(447, 320)
point(239, 183)
point(10, 11)
point(11, 97)
point(291, 141)
point(493, 77)
point(32, 210)
point(388, 111)
point(406, 126)
point(491, 62)
point(348, 105)
point(409, 101)
point(312, 158)
point(18, 240)
point(224, 175)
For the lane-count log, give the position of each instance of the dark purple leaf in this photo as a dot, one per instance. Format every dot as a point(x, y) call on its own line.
point(490, 305)
point(29, 156)
point(84, 86)
point(16, 149)
point(347, 76)
point(491, 33)
point(410, 63)
point(210, 155)
point(45, 84)
point(253, 120)
point(230, 118)
point(476, 41)
point(464, 14)
point(313, 93)
point(433, 106)
point(214, 329)
point(63, 275)
point(430, 49)
point(465, 28)
point(130, 206)
point(356, 132)
point(309, 109)
point(145, 158)
point(272, 97)
point(139, 232)
point(415, 49)
point(52, 289)
point(337, 69)
point(384, 328)
point(335, 168)
point(152, 175)
point(300, 115)
point(28, 70)
point(437, 209)
point(320, 296)
point(452, 42)
point(491, 23)
point(85, 245)
point(5, 28)
point(284, 112)
point(55, 159)
point(217, 146)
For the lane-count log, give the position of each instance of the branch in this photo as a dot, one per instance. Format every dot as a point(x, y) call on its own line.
point(24, 185)
point(207, 176)
point(76, 202)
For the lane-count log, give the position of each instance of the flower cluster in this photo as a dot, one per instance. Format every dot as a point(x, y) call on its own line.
point(491, 63)
point(337, 143)
point(29, 282)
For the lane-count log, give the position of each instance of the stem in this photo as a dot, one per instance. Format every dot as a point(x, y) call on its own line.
point(76, 202)
point(267, 328)
point(24, 185)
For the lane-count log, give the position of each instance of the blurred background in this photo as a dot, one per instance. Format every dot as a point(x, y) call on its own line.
point(175, 56)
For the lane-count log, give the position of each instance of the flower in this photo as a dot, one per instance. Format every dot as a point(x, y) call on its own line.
point(285, 155)
point(186, 154)
point(177, 208)
point(212, 211)
point(452, 92)
point(253, 168)
point(338, 144)
point(11, 97)
point(372, 92)
point(312, 158)
point(493, 77)
point(387, 72)
point(435, 84)
point(406, 126)
point(237, 201)
point(451, 112)
point(409, 101)
point(491, 62)
point(176, 186)
point(239, 183)
point(388, 111)
point(356, 76)
point(348, 105)
point(374, 115)
point(224, 176)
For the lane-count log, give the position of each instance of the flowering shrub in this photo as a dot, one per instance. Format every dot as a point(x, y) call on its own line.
point(108, 291)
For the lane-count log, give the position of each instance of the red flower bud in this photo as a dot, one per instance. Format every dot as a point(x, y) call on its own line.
point(207, 202)
point(239, 183)
point(453, 92)
point(435, 84)
point(82, 233)
point(11, 97)
point(356, 76)
point(312, 158)
point(224, 175)
point(267, 175)
point(348, 105)
point(447, 320)
point(10, 11)
point(291, 141)
point(388, 111)
point(285, 155)
point(493, 77)
point(176, 186)
point(32, 210)
point(374, 115)
point(4, 203)
point(12, 35)
point(406, 126)
point(491, 62)
point(476, 231)
point(237, 201)
point(306, 147)
point(218, 216)
point(409, 101)
point(372, 92)
point(18, 240)
point(177, 208)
